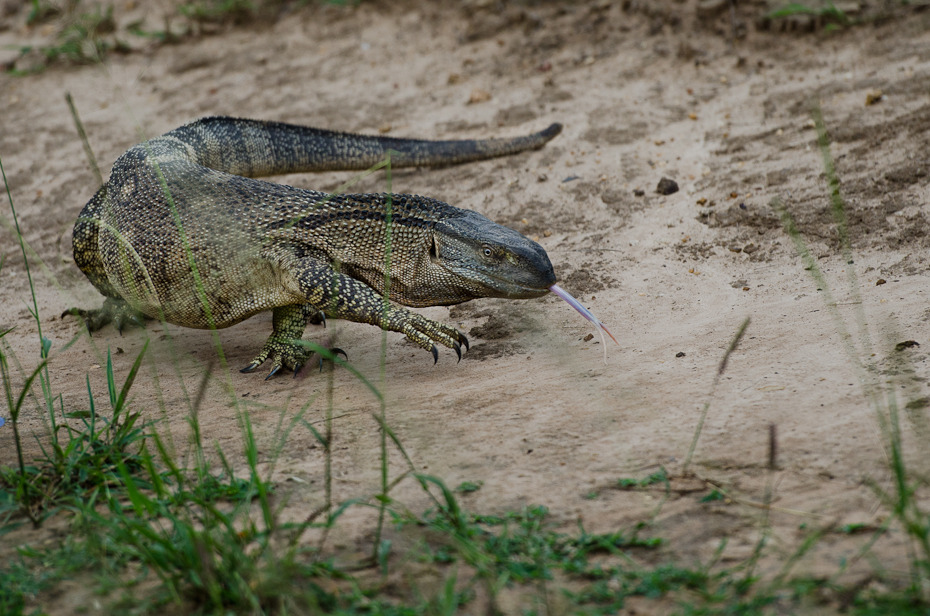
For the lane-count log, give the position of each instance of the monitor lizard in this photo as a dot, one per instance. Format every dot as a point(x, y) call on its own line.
point(183, 232)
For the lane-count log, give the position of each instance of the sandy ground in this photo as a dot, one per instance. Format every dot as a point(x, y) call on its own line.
point(645, 91)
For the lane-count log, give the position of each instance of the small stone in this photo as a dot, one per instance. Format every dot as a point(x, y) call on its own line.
point(588, 338)
point(639, 192)
point(667, 187)
point(680, 354)
point(479, 96)
point(880, 281)
point(874, 97)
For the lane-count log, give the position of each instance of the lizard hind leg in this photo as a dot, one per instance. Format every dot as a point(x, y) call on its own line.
point(114, 310)
point(284, 348)
point(87, 256)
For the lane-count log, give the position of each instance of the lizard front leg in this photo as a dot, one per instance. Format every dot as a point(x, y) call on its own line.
point(343, 297)
point(283, 347)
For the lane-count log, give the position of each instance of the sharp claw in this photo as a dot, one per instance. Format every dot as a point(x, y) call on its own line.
point(435, 354)
point(251, 367)
point(458, 350)
point(323, 318)
point(464, 341)
point(320, 359)
point(297, 368)
point(273, 372)
point(335, 351)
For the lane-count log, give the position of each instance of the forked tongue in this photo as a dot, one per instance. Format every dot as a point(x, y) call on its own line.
point(574, 303)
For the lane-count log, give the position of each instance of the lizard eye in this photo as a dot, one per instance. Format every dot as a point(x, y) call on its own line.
point(487, 251)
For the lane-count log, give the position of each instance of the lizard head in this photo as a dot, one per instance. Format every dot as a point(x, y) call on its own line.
point(484, 259)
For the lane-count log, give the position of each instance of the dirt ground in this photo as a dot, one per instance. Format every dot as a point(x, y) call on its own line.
point(645, 90)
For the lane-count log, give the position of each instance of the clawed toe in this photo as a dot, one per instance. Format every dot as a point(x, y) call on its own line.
point(334, 352)
point(250, 368)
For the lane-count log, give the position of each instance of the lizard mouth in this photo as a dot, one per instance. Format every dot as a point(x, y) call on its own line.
point(510, 287)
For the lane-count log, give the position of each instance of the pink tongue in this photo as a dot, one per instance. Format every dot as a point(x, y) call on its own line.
point(574, 303)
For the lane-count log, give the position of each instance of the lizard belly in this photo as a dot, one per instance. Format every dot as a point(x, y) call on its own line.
point(203, 287)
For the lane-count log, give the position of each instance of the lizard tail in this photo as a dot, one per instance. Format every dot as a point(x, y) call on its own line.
point(255, 148)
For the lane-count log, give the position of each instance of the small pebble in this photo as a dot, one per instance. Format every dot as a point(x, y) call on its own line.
point(479, 96)
point(873, 97)
point(667, 186)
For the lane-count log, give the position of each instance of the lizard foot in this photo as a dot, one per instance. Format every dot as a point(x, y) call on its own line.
point(333, 353)
point(285, 353)
point(424, 332)
point(114, 311)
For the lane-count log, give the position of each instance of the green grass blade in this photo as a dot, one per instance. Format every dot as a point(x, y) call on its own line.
point(130, 379)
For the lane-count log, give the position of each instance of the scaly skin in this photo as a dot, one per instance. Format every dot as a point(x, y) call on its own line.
point(183, 233)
